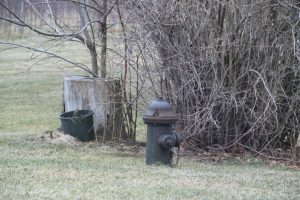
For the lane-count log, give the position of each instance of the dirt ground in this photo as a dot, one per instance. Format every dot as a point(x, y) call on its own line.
point(139, 148)
point(59, 138)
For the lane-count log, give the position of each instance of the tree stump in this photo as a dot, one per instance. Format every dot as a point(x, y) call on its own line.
point(103, 96)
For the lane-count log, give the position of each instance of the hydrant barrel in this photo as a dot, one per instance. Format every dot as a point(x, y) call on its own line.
point(160, 117)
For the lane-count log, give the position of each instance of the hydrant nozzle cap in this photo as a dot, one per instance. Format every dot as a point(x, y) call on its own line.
point(160, 112)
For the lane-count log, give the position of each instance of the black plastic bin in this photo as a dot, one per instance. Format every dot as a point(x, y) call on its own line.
point(79, 124)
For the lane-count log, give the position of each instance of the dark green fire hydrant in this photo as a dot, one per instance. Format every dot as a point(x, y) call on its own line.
point(160, 137)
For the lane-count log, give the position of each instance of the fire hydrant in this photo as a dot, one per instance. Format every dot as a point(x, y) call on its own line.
point(160, 137)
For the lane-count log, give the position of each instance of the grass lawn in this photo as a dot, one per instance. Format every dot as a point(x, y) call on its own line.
point(36, 170)
point(31, 93)
point(30, 168)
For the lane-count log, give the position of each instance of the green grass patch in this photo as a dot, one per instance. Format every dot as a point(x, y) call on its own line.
point(35, 170)
point(31, 90)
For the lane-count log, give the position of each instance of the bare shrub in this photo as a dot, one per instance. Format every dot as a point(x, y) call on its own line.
point(230, 67)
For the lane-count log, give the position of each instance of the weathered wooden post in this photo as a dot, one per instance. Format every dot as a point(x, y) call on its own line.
point(103, 96)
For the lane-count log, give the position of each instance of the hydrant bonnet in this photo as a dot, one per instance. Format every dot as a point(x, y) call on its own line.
point(160, 112)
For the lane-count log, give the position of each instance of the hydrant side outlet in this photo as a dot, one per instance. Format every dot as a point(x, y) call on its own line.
point(166, 141)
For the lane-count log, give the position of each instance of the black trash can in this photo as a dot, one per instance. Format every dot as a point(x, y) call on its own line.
point(79, 124)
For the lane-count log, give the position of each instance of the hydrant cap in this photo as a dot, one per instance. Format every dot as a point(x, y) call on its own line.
point(160, 112)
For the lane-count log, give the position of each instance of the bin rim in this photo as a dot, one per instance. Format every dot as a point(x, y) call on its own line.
point(89, 113)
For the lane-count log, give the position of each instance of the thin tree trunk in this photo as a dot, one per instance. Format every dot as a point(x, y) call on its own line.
point(88, 41)
point(93, 53)
point(8, 15)
point(22, 16)
point(104, 40)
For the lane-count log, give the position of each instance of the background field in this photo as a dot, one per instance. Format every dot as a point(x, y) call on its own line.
point(31, 93)
point(31, 168)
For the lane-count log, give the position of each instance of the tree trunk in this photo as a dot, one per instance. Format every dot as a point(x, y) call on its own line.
point(7, 15)
point(22, 16)
point(84, 19)
point(103, 97)
point(93, 53)
point(103, 27)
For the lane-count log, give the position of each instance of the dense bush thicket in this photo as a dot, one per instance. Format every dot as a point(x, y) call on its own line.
point(230, 67)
